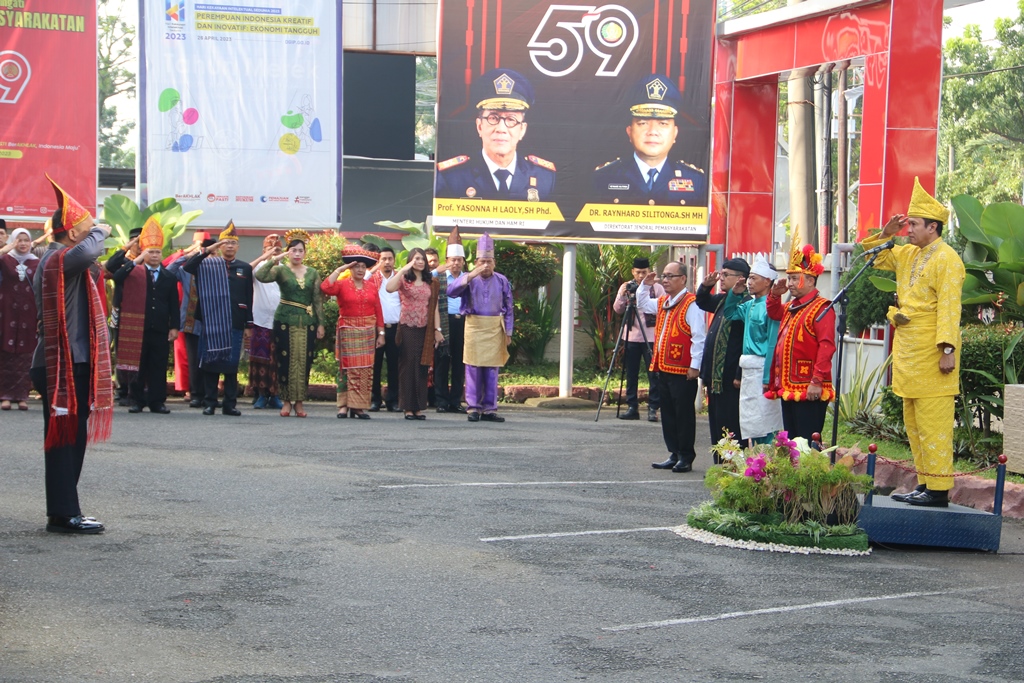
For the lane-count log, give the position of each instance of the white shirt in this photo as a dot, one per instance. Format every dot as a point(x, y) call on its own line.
point(266, 297)
point(694, 318)
point(390, 303)
point(644, 168)
point(492, 167)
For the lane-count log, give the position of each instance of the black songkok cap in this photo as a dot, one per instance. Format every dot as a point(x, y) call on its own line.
point(739, 265)
point(640, 263)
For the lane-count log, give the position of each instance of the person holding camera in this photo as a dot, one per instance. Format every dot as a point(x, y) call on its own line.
point(639, 337)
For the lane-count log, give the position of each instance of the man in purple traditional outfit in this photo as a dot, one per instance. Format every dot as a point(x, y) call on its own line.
point(487, 307)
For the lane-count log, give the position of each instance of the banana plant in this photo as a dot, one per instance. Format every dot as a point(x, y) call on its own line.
point(993, 255)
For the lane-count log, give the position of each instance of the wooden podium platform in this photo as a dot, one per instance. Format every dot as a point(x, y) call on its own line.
point(887, 521)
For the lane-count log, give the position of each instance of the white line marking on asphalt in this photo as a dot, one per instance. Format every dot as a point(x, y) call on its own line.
point(563, 534)
point(793, 608)
point(487, 484)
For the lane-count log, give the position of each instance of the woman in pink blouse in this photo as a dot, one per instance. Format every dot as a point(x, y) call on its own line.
point(418, 294)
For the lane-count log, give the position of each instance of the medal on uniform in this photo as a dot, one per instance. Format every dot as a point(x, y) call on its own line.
point(470, 192)
point(532, 195)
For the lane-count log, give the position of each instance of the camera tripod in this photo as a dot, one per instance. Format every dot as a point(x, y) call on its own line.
point(627, 319)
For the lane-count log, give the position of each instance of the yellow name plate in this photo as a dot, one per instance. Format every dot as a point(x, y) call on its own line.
point(640, 213)
point(497, 209)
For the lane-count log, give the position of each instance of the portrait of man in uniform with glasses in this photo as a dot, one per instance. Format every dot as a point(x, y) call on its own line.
point(502, 98)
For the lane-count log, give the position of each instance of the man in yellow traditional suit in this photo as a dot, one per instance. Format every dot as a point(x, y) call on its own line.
point(926, 347)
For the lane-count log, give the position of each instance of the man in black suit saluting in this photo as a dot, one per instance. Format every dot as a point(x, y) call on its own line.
point(149, 322)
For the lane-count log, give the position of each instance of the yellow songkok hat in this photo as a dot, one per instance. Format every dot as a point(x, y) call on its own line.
point(152, 236)
point(923, 205)
point(229, 232)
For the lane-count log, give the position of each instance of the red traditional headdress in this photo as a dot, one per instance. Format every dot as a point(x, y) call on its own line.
point(805, 261)
point(71, 212)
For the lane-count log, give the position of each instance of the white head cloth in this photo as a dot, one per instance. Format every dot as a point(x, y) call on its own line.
point(456, 250)
point(764, 269)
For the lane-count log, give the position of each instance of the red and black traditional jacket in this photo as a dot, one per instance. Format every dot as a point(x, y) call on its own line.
point(672, 337)
point(803, 354)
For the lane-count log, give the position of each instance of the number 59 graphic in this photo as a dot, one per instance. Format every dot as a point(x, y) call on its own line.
point(14, 75)
point(610, 33)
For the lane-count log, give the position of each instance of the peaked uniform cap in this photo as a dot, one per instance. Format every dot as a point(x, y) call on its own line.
point(229, 232)
point(71, 212)
point(923, 205)
point(655, 97)
point(152, 235)
point(502, 90)
point(455, 247)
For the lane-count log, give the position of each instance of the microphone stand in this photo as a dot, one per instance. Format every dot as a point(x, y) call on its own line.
point(841, 299)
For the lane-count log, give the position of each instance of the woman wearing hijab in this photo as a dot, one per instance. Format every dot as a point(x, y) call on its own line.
point(17, 318)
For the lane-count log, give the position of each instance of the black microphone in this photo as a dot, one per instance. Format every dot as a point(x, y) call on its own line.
point(882, 247)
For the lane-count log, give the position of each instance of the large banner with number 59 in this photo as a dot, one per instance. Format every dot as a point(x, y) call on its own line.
point(575, 122)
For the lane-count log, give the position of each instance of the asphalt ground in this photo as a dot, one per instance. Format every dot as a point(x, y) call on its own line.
point(252, 549)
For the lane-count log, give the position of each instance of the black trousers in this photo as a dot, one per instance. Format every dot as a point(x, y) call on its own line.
point(634, 358)
point(450, 371)
point(210, 382)
point(389, 351)
point(152, 371)
point(724, 412)
point(196, 387)
point(678, 414)
point(63, 466)
point(803, 418)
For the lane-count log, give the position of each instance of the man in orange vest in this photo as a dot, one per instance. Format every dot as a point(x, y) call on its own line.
point(801, 372)
point(678, 349)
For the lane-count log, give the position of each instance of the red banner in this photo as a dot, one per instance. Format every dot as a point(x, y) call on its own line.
point(48, 104)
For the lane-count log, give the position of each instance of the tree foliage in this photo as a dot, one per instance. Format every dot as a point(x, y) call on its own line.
point(116, 78)
point(982, 113)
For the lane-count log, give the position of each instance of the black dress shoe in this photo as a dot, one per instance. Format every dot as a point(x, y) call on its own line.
point(135, 409)
point(652, 414)
point(160, 409)
point(74, 525)
point(929, 498)
point(420, 417)
point(374, 407)
point(492, 417)
point(410, 417)
point(666, 464)
point(209, 410)
point(473, 416)
point(682, 466)
point(360, 416)
point(394, 409)
point(233, 412)
point(457, 409)
point(631, 414)
point(123, 402)
point(195, 403)
point(442, 409)
point(342, 416)
point(902, 497)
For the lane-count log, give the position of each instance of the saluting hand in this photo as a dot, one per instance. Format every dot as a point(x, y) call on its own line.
point(779, 288)
point(895, 224)
point(712, 279)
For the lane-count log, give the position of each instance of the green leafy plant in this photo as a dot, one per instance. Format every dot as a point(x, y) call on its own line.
point(993, 255)
point(323, 252)
point(870, 296)
point(864, 391)
point(123, 215)
point(534, 327)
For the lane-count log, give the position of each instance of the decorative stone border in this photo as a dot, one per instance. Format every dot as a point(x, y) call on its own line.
point(702, 536)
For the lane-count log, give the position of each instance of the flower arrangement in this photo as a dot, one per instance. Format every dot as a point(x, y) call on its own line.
point(785, 491)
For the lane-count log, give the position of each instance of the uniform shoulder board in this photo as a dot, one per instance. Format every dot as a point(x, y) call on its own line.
point(698, 170)
point(452, 163)
point(544, 163)
point(606, 164)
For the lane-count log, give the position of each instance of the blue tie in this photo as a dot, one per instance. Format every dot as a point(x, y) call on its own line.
point(155, 273)
point(651, 175)
point(502, 175)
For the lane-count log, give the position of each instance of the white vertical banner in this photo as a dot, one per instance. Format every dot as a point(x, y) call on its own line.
point(241, 110)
